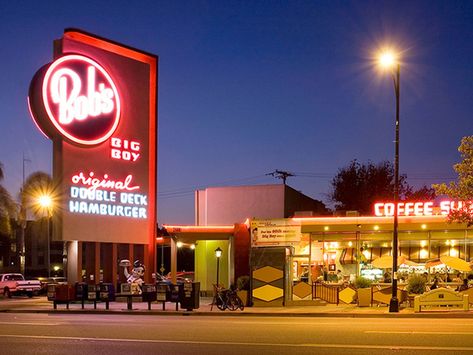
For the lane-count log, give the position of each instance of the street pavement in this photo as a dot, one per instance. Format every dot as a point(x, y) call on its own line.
point(42, 305)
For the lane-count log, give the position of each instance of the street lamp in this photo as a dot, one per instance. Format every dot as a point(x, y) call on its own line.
point(389, 61)
point(218, 254)
point(46, 202)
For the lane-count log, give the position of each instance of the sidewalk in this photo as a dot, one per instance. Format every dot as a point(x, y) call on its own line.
point(42, 305)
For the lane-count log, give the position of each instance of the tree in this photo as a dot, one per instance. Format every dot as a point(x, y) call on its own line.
point(424, 193)
point(8, 208)
point(37, 184)
point(462, 190)
point(358, 186)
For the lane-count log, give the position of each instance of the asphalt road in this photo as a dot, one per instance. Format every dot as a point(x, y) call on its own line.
point(31, 333)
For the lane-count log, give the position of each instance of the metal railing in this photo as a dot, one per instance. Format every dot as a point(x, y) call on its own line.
point(326, 292)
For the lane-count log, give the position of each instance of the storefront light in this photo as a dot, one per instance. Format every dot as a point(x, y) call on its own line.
point(326, 228)
point(424, 226)
point(376, 227)
point(424, 253)
point(423, 243)
point(179, 244)
point(350, 244)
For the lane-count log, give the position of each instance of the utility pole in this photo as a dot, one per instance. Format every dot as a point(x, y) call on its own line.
point(281, 174)
point(23, 222)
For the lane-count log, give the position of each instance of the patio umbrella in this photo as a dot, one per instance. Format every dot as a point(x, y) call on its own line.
point(386, 262)
point(455, 263)
point(450, 261)
point(433, 262)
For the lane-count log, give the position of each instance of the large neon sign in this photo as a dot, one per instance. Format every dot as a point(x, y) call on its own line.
point(419, 208)
point(80, 100)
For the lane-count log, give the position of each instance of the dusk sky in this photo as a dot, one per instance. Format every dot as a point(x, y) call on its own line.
point(247, 87)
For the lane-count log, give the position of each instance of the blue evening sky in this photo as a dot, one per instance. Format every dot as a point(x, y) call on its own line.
point(247, 87)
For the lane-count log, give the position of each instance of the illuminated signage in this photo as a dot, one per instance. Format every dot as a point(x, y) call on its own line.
point(426, 208)
point(80, 100)
point(89, 198)
point(97, 101)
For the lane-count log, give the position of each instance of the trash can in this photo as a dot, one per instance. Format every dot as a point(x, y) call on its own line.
point(63, 294)
point(107, 292)
point(125, 289)
point(149, 293)
point(81, 291)
point(174, 295)
point(189, 295)
point(51, 292)
point(92, 292)
point(163, 292)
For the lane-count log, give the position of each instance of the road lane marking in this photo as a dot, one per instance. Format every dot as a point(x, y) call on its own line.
point(416, 332)
point(29, 323)
point(232, 343)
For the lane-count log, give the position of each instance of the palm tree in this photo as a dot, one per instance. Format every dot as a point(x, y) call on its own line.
point(8, 208)
point(36, 185)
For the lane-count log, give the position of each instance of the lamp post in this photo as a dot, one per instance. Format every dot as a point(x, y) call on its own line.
point(389, 61)
point(46, 202)
point(218, 254)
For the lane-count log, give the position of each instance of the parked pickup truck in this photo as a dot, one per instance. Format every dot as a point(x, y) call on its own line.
point(15, 284)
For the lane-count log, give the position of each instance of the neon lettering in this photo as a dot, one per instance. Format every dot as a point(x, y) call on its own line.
point(418, 208)
point(74, 106)
point(77, 90)
point(104, 182)
point(377, 209)
point(124, 149)
point(408, 208)
point(427, 208)
point(106, 209)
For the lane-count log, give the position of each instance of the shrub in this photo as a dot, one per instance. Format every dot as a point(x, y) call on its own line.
point(362, 282)
point(416, 284)
point(243, 283)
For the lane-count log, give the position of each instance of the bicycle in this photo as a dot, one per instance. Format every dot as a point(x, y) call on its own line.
point(227, 298)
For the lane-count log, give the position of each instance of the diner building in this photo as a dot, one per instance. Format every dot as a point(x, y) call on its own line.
point(287, 255)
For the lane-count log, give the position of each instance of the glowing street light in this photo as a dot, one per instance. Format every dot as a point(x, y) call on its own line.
point(389, 61)
point(46, 202)
point(218, 254)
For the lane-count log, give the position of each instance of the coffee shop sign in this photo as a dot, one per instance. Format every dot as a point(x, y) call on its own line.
point(420, 208)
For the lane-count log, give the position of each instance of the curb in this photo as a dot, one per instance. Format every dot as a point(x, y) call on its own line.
point(425, 314)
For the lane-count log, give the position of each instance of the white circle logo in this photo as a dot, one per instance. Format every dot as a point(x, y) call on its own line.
point(81, 99)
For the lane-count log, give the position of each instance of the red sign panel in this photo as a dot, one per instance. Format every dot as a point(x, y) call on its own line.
point(97, 101)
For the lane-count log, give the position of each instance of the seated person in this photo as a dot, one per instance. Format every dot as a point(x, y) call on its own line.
point(464, 286)
point(387, 277)
point(435, 284)
point(458, 278)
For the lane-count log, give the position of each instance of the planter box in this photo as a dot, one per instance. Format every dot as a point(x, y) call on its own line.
point(364, 297)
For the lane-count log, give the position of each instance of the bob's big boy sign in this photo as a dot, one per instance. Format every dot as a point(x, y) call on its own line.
point(97, 102)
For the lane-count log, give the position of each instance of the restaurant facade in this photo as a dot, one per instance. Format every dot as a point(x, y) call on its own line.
point(287, 255)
